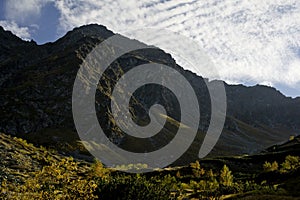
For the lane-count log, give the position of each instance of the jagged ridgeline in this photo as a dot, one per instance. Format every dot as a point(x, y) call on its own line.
point(36, 99)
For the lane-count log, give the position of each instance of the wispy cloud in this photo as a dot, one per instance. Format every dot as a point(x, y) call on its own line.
point(249, 41)
point(22, 32)
point(24, 11)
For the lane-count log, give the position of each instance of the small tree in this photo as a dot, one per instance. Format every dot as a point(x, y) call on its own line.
point(291, 138)
point(291, 163)
point(268, 167)
point(197, 170)
point(212, 180)
point(226, 178)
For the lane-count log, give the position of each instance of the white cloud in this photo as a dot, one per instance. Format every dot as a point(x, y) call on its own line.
point(24, 11)
point(249, 41)
point(22, 32)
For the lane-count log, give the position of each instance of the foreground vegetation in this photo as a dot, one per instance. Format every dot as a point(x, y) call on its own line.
point(46, 175)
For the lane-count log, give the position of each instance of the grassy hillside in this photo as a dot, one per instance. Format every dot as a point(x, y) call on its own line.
point(29, 172)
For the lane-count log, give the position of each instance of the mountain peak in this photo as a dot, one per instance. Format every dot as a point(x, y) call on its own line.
point(91, 31)
point(8, 39)
point(37, 84)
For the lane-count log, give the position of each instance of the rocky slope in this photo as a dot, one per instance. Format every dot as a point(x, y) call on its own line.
point(36, 84)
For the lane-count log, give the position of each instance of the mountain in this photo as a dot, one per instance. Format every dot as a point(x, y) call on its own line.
point(36, 84)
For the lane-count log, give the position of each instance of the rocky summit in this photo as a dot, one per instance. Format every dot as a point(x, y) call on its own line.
point(36, 84)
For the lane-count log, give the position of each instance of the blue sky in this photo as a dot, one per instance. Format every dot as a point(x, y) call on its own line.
point(42, 27)
point(250, 42)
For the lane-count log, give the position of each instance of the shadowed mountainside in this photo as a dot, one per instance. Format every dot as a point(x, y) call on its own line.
point(36, 84)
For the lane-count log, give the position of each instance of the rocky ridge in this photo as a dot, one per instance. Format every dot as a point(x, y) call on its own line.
point(36, 90)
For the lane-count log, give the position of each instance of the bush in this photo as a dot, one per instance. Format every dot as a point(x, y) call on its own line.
point(268, 167)
point(291, 163)
point(226, 178)
point(137, 187)
point(197, 170)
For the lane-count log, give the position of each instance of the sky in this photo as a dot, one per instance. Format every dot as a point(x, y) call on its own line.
point(250, 42)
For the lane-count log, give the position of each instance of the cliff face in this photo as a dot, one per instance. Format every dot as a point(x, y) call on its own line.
point(36, 84)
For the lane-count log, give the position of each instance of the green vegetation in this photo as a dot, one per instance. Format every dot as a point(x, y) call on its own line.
point(59, 180)
point(51, 176)
point(226, 178)
point(290, 164)
point(268, 167)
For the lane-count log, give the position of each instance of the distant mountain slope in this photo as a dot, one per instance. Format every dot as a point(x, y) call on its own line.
point(36, 84)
